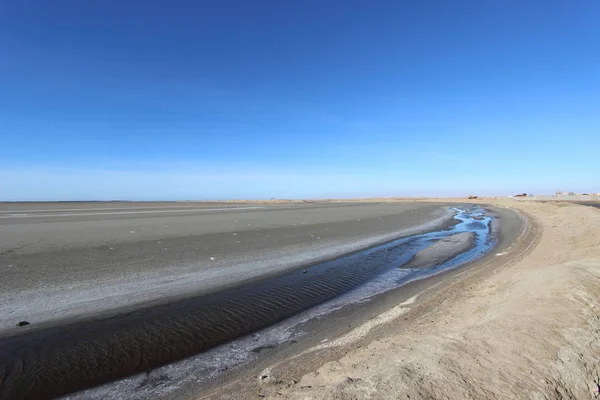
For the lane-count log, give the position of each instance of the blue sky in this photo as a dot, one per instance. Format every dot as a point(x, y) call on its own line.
point(238, 99)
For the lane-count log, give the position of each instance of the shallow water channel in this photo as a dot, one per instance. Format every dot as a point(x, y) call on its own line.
point(198, 338)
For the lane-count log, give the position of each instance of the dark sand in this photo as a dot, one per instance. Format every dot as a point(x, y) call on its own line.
point(75, 276)
point(284, 365)
point(375, 218)
point(62, 261)
point(588, 203)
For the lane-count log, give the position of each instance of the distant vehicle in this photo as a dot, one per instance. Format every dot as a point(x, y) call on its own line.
point(473, 197)
point(521, 195)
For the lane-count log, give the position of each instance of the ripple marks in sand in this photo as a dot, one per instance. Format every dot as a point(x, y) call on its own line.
point(60, 360)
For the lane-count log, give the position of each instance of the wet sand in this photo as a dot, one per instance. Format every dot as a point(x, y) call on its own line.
point(63, 261)
point(588, 203)
point(359, 324)
point(522, 323)
point(442, 250)
point(185, 327)
point(142, 340)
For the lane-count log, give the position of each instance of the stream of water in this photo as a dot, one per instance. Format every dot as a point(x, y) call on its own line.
point(289, 302)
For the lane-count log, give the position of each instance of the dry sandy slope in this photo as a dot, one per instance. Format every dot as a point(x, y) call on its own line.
point(527, 327)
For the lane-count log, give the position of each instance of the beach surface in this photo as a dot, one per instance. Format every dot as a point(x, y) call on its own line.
point(66, 261)
point(522, 323)
point(101, 303)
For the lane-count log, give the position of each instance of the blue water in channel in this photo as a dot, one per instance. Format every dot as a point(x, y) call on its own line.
point(381, 269)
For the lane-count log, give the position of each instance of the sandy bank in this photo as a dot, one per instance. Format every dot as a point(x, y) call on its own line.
point(442, 250)
point(524, 324)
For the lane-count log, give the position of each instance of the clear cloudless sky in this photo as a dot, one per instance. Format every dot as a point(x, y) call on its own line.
point(289, 99)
